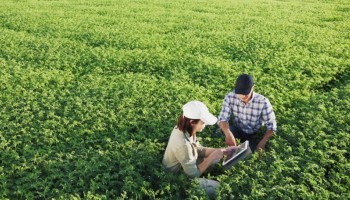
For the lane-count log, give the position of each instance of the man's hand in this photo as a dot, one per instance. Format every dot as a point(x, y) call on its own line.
point(230, 140)
point(261, 146)
point(262, 143)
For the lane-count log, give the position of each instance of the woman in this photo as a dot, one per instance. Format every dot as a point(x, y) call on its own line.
point(183, 149)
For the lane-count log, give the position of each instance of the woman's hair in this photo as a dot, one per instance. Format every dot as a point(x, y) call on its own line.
point(184, 124)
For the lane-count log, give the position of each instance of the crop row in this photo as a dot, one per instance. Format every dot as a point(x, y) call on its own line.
point(91, 90)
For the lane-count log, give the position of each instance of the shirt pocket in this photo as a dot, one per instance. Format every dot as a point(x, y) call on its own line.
point(253, 117)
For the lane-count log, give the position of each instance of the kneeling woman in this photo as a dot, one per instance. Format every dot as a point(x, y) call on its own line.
point(183, 149)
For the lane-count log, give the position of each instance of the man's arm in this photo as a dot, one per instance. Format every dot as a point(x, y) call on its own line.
point(269, 117)
point(263, 141)
point(229, 138)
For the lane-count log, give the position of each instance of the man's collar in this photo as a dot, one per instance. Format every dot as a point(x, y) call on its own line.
point(253, 96)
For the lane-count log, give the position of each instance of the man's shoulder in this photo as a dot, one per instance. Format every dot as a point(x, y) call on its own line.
point(231, 94)
point(260, 98)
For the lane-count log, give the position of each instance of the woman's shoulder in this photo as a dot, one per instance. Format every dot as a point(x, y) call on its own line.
point(179, 137)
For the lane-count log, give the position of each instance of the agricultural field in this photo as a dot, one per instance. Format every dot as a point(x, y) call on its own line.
point(90, 91)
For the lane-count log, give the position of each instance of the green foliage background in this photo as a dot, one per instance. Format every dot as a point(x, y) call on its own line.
point(90, 91)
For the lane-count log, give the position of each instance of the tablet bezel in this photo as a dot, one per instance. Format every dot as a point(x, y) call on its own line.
point(244, 147)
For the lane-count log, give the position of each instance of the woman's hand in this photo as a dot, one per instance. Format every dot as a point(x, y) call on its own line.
point(217, 154)
point(213, 158)
point(227, 151)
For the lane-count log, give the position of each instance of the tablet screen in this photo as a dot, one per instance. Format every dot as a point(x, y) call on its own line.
point(235, 153)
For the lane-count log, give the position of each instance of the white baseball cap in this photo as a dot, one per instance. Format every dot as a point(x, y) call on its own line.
point(198, 110)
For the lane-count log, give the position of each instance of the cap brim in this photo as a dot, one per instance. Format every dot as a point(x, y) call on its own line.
point(209, 119)
point(243, 91)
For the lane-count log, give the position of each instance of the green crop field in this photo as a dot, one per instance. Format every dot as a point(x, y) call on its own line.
point(90, 91)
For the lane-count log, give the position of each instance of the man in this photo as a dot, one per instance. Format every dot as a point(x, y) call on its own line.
point(250, 112)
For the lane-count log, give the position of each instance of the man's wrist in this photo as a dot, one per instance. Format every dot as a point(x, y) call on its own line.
point(228, 133)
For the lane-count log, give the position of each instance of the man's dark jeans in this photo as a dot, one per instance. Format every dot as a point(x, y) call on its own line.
point(242, 136)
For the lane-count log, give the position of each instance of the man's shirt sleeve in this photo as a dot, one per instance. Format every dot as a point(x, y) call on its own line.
point(269, 117)
point(225, 110)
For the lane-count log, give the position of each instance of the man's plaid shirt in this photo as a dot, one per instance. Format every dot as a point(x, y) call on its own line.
point(248, 117)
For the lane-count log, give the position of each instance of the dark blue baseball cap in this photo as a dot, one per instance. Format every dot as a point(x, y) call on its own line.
point(244, 84)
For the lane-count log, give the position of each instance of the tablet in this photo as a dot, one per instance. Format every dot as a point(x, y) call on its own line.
point(235, 153)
